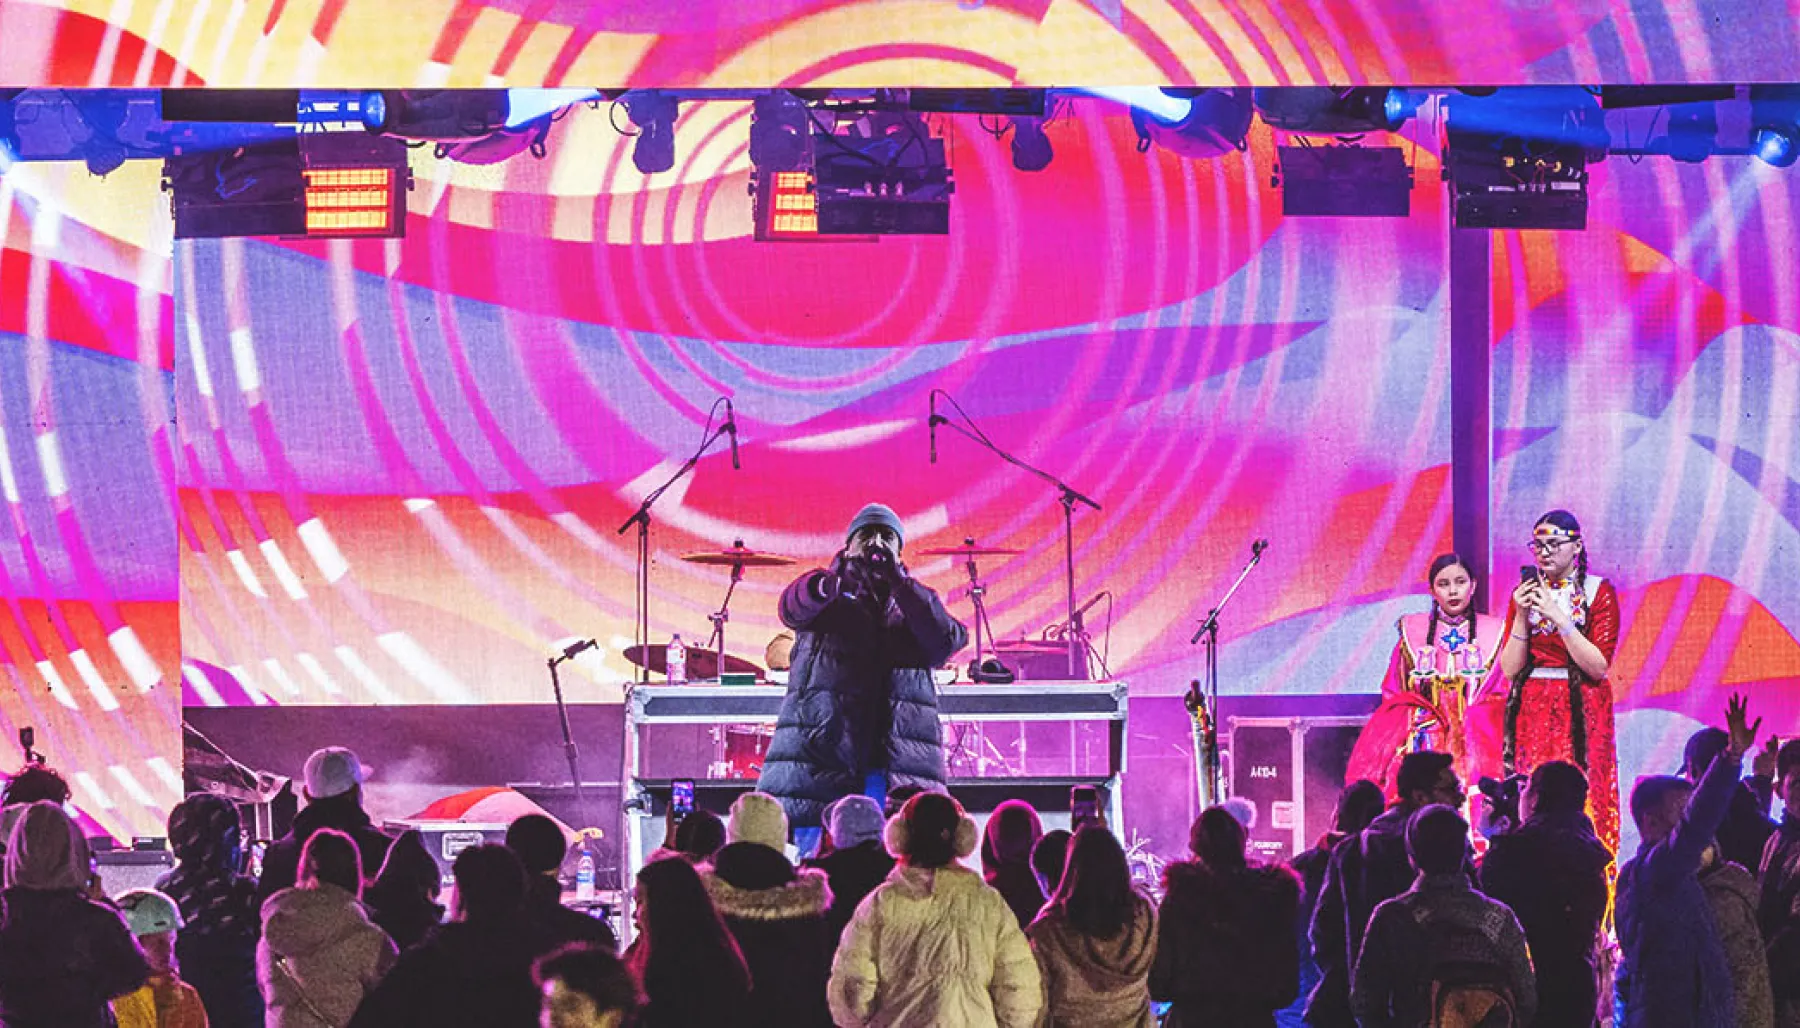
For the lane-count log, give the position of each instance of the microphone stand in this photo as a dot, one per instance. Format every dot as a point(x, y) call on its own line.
point(723, 614)
point(1209, 631)
point(642, 520)
point(569, 749)
point(1068, 497)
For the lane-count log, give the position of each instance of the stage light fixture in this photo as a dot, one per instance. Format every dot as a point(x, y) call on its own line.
point(1215, 122)
point(323, 185)
point(1007, 103)
point(1031, 150)
point(1775, 121)
point(1158, 103)
point(881, 173)
point(9, 129)
point(780, 130)
point(1693, 132)
point(436, 113)
point(1344, 181)
point(1518, 158)
point(1614, 98)
point(1334, 111)
point(784, 207)
point(1776, 147)
point(524, 106)
point(104, 111)
point(653, 111)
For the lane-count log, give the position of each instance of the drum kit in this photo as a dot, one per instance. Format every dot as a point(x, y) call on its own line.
point(741, 747)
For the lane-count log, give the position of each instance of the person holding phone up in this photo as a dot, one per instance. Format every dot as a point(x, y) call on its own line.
point(1562, 627)
point(860, 714)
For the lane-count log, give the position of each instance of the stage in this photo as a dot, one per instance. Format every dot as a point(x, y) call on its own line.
point(559, 405)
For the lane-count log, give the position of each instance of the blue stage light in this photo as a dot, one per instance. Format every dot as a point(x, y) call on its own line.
point(1776, 147)
point(1396, 107)
point(1149, 99)
point(1333, 110)
point(1217, 123)
point(1775, 115)
point(374, 111)
point(527, 105)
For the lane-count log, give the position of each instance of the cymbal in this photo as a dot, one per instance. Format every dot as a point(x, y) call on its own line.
point(969, 549)
point(738, 556)
point(701, 664)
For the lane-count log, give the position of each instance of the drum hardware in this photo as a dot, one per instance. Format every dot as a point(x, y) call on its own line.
point(988, 668)
point(738, 556)
point(1074, 634)
point(702, 665)
point(969, 549)
point(978, 759)
point(777, 656)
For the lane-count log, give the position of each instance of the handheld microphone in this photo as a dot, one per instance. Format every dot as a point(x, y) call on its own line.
point(576, 647)
point(1257, 547)
point(731, 427)
point(932, 422)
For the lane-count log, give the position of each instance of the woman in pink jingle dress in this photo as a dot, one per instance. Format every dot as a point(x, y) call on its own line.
point(1443, 690)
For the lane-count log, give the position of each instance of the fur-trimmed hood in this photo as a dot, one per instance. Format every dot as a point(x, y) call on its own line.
point(749, 882)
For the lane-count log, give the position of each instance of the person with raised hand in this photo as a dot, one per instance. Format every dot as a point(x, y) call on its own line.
point(1673, 970)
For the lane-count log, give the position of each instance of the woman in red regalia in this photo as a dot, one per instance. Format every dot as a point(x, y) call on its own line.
point(1443, 690)
point(1561, 630)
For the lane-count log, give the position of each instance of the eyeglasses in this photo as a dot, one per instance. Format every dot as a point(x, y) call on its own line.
point(1541, 548)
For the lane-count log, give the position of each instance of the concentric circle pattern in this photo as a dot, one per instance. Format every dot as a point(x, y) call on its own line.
point(390, 472)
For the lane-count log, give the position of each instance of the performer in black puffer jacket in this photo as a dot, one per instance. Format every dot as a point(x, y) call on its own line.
point(861, 708)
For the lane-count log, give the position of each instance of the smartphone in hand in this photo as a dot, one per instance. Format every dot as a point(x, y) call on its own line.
point(681, 799)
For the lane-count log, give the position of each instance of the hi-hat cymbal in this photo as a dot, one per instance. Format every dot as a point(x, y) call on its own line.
point(969, 549)
point(739, 556)
point(701, 664)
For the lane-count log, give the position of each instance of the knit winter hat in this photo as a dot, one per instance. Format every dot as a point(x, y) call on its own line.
point(877, 514)
point(854, 820)
point(757, 817)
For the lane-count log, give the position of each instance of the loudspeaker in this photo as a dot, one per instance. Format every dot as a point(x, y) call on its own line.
point(132, 869)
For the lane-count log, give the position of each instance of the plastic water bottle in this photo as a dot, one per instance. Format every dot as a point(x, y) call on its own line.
point(677, 661)
point(584, 876)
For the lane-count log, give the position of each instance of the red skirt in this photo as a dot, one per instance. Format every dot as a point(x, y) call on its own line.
point(1543, 735)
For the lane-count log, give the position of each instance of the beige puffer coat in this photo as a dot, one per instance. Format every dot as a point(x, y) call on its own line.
point(318, 956)
point(934, 948)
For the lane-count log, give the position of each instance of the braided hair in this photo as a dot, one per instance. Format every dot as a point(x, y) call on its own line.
point(1446, 560)
point(1577, 711)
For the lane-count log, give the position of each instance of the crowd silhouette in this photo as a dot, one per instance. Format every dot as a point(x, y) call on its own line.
point(909, 917)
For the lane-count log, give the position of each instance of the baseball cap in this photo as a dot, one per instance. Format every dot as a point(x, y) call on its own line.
point(1701, 748)
point(332, 771)
point(148, 912)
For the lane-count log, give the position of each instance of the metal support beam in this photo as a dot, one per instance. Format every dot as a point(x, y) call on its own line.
point(1471, 417)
